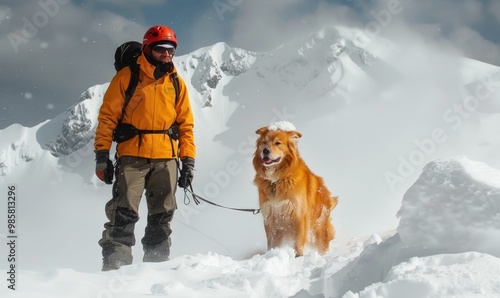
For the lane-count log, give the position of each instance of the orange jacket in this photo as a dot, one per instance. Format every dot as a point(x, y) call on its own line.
point(152, 107)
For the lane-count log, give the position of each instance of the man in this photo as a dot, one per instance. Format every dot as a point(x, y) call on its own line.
point(147, 161)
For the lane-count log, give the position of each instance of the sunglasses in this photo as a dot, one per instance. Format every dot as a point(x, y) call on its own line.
point(161, 50)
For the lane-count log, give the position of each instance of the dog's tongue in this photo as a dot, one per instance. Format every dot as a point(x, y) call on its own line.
point(267, 160)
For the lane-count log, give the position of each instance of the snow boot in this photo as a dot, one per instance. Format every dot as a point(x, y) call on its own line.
point(116, 256)
point(157, 253)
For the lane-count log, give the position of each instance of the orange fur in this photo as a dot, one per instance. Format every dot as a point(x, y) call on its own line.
point(295, 203)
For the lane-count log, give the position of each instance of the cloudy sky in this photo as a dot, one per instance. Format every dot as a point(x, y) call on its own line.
point(53, 50)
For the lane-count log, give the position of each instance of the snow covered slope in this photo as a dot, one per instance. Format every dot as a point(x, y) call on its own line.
point(396, 266)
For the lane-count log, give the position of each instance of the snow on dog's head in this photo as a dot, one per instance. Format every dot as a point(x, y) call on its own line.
point(281, 125)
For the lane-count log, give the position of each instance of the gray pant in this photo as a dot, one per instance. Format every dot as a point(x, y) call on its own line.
point(134, 175)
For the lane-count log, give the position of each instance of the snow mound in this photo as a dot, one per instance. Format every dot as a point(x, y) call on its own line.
point(281, 125)
point(454, 205)
point(276, 274)
point(464, 275)
point(452, 208)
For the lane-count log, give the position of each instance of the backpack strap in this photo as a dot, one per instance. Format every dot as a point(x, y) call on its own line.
point(173, 131)
point(132, 85)
point(175, 82)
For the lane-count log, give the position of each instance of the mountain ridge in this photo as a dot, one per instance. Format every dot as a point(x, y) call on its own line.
point(203, 69)
point(312, 65)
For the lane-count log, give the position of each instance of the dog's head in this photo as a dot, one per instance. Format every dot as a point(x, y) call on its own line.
point(276, 150)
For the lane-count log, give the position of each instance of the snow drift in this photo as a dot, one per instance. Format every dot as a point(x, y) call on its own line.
point(399, 266)
point(452, 208)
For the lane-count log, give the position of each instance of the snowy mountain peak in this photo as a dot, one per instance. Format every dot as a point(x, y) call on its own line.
point(330, 63)
point(19, 147)
point(208, 66)
point(327, 61)
point(75, 128)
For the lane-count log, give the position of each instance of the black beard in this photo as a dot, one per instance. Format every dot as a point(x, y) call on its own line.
point(165, 67)
point(162, 68)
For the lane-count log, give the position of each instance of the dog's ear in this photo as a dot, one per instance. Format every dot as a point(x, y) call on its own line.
point(295, 136)
point(293, 144)
point(262, 130)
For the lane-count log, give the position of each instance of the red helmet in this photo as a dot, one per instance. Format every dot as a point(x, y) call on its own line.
point(157, 35)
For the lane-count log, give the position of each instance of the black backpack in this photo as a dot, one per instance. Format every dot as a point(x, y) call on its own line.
point(126, 56)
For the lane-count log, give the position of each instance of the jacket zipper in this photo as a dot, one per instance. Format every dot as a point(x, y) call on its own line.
point(153, 118)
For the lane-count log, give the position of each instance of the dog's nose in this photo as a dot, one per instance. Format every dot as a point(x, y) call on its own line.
point(266, 151)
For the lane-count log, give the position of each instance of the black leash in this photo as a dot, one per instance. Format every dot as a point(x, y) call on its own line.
point(196, 199)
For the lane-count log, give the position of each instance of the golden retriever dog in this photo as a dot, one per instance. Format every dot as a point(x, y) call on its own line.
point(295, 203)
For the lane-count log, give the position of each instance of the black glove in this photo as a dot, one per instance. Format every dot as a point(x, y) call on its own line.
point(104, 167)
point(187, 172)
